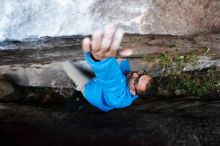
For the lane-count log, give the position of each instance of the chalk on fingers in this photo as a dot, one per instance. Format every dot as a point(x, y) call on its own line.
point(86, 43)
point(108, 36)
point(117, 39)
point(96, 40)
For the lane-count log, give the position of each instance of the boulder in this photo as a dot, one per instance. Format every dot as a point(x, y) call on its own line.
point(6, 88)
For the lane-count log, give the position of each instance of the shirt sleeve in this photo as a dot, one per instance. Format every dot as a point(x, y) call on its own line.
point(125, 67)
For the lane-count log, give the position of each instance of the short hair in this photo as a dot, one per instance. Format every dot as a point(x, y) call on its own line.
point(150, 91)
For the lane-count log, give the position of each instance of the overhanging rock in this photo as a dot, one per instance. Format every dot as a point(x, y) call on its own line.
point(36, 62)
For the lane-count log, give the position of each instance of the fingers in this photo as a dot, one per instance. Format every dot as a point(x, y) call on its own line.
point(96, 40)
point(86, 44)
point(117, 39)
point(111, 41)
point(125, 52)
point(115, 48)
point(106, 43)
point(109, 32)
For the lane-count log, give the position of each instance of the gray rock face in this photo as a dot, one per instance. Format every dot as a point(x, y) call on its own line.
point(24, 19)
point(182, 17)
point(36, 62)
point(179, 17)
point(127, 14)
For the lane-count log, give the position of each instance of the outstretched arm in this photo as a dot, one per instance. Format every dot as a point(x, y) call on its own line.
point(100, 53)
point(105, 44)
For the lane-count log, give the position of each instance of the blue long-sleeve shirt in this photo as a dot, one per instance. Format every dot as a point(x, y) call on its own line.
point(108, 89)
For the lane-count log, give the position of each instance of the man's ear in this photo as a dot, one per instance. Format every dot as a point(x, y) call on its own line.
point(132, 92)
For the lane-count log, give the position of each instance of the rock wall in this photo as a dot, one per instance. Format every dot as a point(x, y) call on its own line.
point(26, 18)
point(179, 17)
point(36, 62)
point(182, 17)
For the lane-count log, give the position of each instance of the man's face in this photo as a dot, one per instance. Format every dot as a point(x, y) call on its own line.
point(138, 83)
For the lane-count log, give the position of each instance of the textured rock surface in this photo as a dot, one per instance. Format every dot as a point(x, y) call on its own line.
point(182, 17)
point(35, 62)
point(188, 121)
point(6, 88)
point(23, 19)
point(161, 16)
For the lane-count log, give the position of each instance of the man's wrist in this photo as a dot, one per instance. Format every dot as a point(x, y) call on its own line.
point(95, 58)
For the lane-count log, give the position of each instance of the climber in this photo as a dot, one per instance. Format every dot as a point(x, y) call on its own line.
point(114, 84)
